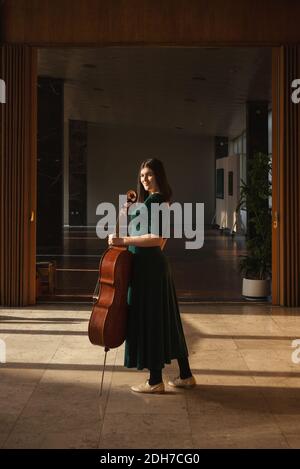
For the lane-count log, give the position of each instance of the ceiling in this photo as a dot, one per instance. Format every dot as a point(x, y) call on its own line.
point(190, 90)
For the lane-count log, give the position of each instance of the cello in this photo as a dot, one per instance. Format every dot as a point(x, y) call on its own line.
point(107, 324)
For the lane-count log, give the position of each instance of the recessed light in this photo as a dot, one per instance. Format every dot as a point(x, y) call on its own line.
point(89, 66)
point(179, 128)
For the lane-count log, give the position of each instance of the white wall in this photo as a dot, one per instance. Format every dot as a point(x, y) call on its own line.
point(225, 208)
point(115, 154)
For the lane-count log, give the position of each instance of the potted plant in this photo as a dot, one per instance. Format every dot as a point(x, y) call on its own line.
point(255, 193)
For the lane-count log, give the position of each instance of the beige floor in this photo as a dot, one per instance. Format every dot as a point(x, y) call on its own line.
point(248, 392)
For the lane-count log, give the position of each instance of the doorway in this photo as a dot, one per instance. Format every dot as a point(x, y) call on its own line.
point(120, 105)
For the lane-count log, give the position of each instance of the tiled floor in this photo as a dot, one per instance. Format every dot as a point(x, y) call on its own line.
point(248, 392)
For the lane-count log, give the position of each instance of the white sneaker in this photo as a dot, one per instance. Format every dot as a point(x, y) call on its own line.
point(148, 388)
point(183, 383)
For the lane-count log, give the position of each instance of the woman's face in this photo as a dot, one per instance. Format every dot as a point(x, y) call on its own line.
point(148, 180)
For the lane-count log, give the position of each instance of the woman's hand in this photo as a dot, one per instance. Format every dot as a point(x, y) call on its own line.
point(113, 240)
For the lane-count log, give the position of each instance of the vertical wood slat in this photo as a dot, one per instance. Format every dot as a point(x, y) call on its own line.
point(293, 68)
point(18, 176)
point(288, 176)
point(296, 184)
point(275, 175)
point(297, 195)
point(32, 176)
point(281, 173)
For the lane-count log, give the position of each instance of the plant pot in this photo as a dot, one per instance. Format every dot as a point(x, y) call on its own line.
point(256, 289)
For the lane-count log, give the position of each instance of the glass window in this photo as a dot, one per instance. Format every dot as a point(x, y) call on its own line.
point(244, 150)
point(220, 183)
point(270, 132)
point(235, 147)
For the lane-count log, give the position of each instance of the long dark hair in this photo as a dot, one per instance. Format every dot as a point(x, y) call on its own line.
point(161, 179)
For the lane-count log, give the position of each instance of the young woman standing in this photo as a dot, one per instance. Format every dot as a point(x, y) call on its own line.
point(154, 334)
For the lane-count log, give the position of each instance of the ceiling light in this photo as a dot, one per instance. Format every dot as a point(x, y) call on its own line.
point(89, 66)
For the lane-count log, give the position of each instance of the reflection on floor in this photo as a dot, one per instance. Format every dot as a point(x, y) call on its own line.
point(247, 395)
point(210, 273)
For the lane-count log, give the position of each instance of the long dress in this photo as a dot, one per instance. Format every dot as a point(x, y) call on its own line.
point(154, 330)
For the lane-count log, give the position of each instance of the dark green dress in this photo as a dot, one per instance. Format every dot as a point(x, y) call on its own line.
point(154, 331)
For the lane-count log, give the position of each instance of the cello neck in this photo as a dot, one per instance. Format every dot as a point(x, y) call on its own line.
point(131, 198)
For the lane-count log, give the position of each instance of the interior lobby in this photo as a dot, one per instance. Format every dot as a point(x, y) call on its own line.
point(120, 106)
point(87, 94)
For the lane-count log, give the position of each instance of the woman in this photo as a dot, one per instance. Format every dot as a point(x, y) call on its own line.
point(154, 334)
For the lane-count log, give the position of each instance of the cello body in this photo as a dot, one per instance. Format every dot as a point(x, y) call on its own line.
point(108, 321)
point(107, 326)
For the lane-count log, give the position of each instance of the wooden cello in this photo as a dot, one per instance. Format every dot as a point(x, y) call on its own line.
point(107, 325)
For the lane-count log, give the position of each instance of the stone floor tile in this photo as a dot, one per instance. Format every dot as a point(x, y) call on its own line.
point(146, 440)
point(247, 393)
point(124, 422)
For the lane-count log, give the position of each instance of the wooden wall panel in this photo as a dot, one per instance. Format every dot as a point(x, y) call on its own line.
point(18, 176)
point(98, 22)
point(291, 171)
point(276, 142)
point(286, 177)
